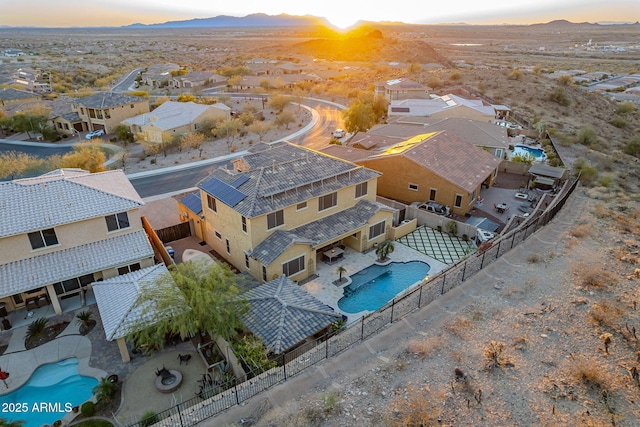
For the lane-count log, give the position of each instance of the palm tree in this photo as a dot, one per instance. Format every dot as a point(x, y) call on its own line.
point(384, 249)
point(85, 319)
point(6, 423)
point(105, 390)
point(341, 271)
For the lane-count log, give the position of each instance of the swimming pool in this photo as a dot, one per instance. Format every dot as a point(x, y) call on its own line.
point(538, 153)
point(376, 285)
point(49, 395)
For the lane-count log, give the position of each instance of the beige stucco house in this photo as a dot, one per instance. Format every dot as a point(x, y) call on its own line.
point(174, 118)
point(282, 206)
point(108, 110)
point(438, 166)
point(64, 230)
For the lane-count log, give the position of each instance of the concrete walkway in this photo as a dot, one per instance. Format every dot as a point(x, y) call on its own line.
point(372, 353)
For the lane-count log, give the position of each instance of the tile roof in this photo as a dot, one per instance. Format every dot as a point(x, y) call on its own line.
point(283, 174)
point(427, 107)
point(118, 300)
point(449, 157)
point(61, 197)
point(53, 267)
point(474, 132)
point(109, 100)
point(11, 94)
point(172, 114)
point(318, 232)
point(282, 314)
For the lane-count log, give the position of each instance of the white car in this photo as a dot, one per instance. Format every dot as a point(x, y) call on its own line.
point(339, 133)
point(94, 134)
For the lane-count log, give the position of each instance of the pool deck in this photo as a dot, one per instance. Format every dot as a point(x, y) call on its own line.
point(324, 289)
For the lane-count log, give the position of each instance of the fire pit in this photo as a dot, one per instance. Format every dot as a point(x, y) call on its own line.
point(168, 380)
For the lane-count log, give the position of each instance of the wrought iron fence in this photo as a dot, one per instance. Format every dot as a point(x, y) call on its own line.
point(197, 409)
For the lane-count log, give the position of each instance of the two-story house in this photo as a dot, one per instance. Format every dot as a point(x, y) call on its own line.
point(61, 231)
point(282, 206)
point(108, 110)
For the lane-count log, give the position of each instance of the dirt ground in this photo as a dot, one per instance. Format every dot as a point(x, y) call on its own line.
point(521, 343)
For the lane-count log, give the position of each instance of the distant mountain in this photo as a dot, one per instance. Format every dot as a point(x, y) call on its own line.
point(563, 23)
point(254, 20)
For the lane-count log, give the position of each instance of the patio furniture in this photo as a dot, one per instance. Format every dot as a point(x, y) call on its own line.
point(333, 254)
point(501, 208)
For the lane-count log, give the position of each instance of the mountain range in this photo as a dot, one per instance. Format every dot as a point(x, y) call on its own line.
point(253, 20)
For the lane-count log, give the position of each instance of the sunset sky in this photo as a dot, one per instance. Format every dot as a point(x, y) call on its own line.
point(83, 13)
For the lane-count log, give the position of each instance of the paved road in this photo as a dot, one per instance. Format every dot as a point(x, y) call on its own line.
point(40, 149)
point(127, 82)
point(329, 120)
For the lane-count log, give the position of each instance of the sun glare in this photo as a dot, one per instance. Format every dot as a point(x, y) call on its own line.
point(342, 22)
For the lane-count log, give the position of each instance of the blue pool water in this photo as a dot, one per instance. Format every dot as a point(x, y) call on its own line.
point(49, 394)
point(376, 285)
point(538, 153)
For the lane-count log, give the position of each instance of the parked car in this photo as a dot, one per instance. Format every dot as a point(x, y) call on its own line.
point(432, 207)
point(339, 133)
point(94, 134)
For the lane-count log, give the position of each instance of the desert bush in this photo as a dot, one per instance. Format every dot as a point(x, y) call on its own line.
point(586, 135)
point(592, 276)
point(559, 96)
point(625, 108)
point(515, 74)
point(534, 258)
point(591, 372)
point(457, 327)
point(331, 402)
point(605, 181)
point(520, 343)
point(632, 147)
point(606, 313)
point(424, 347)
point(565, 80)
point(580, 231)
point(494, 355)
point(416, 407)
point(619, 122)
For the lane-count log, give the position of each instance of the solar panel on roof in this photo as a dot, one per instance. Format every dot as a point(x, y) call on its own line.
point(193, 203)
point(239, 181)
point(223, 192)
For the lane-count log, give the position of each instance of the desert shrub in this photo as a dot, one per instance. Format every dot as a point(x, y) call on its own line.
point(580, 231)
point(534, 258)
point(587, 173)
point(606, 313)
point(457, 327)
point(559, 96)
point(148, 419)
point(452, 227)
point(591, 372)
point(606, 181)
point(331, 402)
point(515, 74)
point(88, 409)
point(494, 355)
point(424, 347)
point(619, 122)
point(586, 135)
point(416, 407)
point(625, 108)
point(565, 80)
point(632, 147)
point(592, 275)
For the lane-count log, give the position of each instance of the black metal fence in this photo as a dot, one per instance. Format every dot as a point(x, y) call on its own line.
point(197, 409)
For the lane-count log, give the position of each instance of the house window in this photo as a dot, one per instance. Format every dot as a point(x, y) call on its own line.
point(71, 285)
point(499, 153)
point(246, 260)
point(432, 194)
point(361, 190)
point(117, 221)
point(458, 201)
point(129, 268)
point(413, 187)
point(211, 202)
point(218, 235)
point(42, 238)
point(301, 206)
point(244, 224)
point(376, 230)
point(264, 273)
point(328, 201)
point(473, 196)
point(293, 267)
point(275, 219)
point(228, 247)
